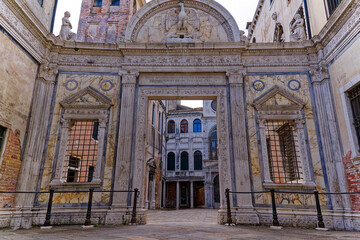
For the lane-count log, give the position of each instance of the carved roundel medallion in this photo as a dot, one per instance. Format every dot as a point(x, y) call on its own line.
point(258, 85)
point(294, 85)
point(71, 85)
point(213, 105)
point(106, 85)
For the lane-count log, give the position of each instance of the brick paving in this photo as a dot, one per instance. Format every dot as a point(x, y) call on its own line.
point(168, 225)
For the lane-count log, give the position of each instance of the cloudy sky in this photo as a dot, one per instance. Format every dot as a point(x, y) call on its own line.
point(242, 10)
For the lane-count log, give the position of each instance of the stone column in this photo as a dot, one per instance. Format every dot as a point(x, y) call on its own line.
point(239, 136)
point(124, 166)
point(265, 157)
point(330, 138)
point(177, 195)
point(191, 194)
point(37, 133)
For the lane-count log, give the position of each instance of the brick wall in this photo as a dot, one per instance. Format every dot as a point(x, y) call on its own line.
point(106, 23)
point(9, 168)
point(353, 178)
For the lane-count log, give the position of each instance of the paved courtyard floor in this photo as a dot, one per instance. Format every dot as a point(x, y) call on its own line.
point(168, 225)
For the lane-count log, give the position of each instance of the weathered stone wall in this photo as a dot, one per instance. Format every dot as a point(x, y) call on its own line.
point(18, 74)
point(69, 84)
point(43, 12)
point(267, 82)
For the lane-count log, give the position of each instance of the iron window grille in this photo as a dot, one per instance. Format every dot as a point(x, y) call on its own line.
point(184, 161)
point(354, 96)
point(283, 152)
point(197, 125)
point(81, 152)
point(2, 136)
point(198, 160)
point(332, 5)
point(171, 161)
point(171, 126)
point(184, 128)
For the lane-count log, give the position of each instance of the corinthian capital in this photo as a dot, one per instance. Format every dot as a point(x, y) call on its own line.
point(318, 74)
point(48, 72)
point(236, 76)
point(129, 77)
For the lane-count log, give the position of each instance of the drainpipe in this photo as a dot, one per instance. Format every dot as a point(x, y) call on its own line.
point(307, 19)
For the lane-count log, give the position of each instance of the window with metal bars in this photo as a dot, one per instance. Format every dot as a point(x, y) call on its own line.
point(2, 136)
point(283, 152)
point(354, 96)
point(332, 5)
point(81, 151)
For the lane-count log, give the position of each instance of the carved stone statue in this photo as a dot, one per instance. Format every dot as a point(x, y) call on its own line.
point(297, 29)
point(182, 19)
point(65, 31)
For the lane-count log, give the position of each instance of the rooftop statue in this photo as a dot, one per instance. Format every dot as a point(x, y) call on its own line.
point(297, 29)
point(65, 31)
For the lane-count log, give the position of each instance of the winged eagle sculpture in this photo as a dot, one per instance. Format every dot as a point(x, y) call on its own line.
point(182, 18)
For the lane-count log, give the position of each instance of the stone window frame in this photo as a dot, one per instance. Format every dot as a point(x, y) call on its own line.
point(283, 113)
point(72, 112)
point(349, 119)
point(4, 143)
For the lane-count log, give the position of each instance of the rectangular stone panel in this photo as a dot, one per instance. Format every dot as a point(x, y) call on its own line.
point(170, 79)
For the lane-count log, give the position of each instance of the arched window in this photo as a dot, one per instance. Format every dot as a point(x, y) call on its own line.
point(197, 125)
point(184, 161)
point(198, 160)
point(184, 126)
point(216, 189)
point(213, 145)
point(171, 161)
point(171, 126)
point(97, 3)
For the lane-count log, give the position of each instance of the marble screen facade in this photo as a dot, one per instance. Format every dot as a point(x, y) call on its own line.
point(268, 97)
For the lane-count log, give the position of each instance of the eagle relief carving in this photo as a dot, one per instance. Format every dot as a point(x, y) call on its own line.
point(182, 18)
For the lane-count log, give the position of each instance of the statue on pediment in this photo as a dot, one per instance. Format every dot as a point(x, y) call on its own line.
point(297, 29)
point(182, 19)
point(65, 32)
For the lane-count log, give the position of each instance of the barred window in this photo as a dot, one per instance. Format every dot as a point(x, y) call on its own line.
point(332, 5)
point(81, 152)
point(354, 96)
point(283, 152)
point(2, 136)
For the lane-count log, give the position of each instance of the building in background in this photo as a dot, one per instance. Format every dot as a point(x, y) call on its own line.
point(191, 149)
